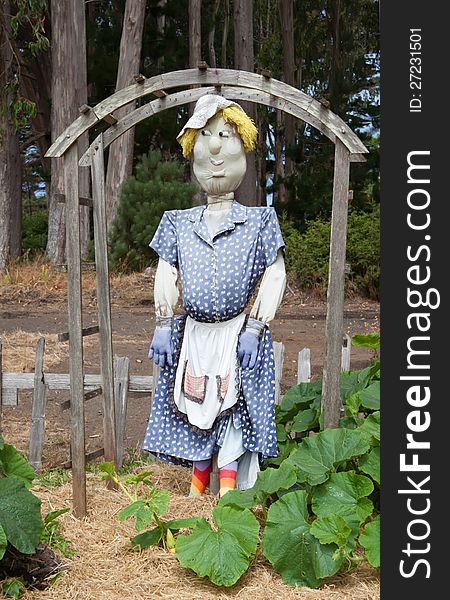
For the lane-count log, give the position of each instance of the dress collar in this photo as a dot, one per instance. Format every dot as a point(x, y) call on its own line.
point(237, 214)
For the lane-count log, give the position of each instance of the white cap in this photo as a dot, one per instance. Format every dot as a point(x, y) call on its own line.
point(205, 108)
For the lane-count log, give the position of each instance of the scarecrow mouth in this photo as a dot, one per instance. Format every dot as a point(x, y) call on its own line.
point(216, 163)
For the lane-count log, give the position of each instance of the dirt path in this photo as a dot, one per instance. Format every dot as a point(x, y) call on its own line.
point(35, 308)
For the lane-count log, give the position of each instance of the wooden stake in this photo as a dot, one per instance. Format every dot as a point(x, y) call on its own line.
point(37, 430)
point(121, 382)
point(103, 299)
point(75, 329)
point(331, 399)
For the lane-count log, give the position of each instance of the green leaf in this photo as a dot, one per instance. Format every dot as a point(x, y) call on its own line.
point(370, 464)
point(139, 478)
point(20, 515)
point(54, 514)
point(2, 442)
point(13, 586)
point(3, 542)
point(353, 382)
point(290, 547)
point(149, 538)
point(222, 555)
point(14, 463)
point(270, 481)
point(281, 433)
point(297, 398)
point(305, 420)
point(344, 494)
point(158, 501)
point(370, 541)
point(370, 396)
point(371, 340)
point(139, 510)
point(332, 529)
point(108, 468)
point(371, 426)
point(352, 404)
point(317, 456)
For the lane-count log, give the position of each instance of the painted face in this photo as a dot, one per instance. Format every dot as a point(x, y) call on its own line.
point(219, 157)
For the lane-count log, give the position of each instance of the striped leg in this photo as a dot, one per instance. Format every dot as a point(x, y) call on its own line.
point(228, 477)
point(200, 477)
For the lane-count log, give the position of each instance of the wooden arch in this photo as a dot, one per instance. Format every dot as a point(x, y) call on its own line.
point(235, 85)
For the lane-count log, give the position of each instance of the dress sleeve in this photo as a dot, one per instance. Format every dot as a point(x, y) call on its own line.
point(165, 291)
point(164, 242)
point(271, 291)
point(270, 235)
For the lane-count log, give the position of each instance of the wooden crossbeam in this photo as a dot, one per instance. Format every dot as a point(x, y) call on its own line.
point(64, 337)
point(90, 456)
point(87, 396)
point(61, 381)
point(110, 119)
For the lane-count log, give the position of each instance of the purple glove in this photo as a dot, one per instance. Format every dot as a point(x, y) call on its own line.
point(248, 348)
point(161, 347)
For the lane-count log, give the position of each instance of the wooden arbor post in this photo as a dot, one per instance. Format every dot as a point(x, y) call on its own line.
point(234, 85)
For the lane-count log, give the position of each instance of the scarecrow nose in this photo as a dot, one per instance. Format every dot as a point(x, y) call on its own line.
point(215, 144)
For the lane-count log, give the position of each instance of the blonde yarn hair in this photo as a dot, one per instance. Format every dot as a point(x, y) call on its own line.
point(245, 127)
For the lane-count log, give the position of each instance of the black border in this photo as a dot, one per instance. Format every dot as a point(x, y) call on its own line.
point(403, 131)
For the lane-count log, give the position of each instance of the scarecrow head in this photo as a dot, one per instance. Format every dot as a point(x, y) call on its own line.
point(218, 135)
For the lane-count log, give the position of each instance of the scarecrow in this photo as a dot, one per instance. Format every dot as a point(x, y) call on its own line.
point(216, 390)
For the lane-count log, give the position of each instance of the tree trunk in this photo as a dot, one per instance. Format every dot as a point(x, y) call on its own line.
point(120, 160)
point(244, 60)
point(334, 86)
point(212, 35)
point(69, 92)
point(195, 54)
point(226, 26)
point(287, 33)
point(10, 163)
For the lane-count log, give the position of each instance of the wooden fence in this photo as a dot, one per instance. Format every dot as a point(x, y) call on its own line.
point(41, 383)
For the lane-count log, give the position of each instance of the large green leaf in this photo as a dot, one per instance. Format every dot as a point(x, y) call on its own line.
point(305, 420)
point(344, 494)
point(13, 463)
point(370, 396)
point(149, 538)
point(223, 555)
point(3, 542)
point(354, 382)
point(317, 456)
point(370, 541)
point(370, 464)
point(371, 426)
point(371, 340)
point(298, 397)
point(290, 547)
point(20, 515)
point(270, 481)
point(332, 529)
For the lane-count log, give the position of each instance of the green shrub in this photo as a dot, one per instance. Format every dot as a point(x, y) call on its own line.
point(34, 231)
point(307, 253)
point(157, 186)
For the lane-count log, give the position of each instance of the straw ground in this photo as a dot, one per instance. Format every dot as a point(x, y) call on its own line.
point(105, 567)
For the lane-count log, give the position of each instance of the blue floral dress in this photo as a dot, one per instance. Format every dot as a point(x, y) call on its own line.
point(218, 276)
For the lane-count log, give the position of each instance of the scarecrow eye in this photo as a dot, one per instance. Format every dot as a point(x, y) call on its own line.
point(224, 134)
point(206, 132)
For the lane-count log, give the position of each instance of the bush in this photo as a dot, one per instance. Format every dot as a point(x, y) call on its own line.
point(156, 186)
point(307, 253)
point(34, 231)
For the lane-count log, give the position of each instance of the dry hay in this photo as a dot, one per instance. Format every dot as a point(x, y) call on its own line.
point(105, 568)
point(19, 350)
